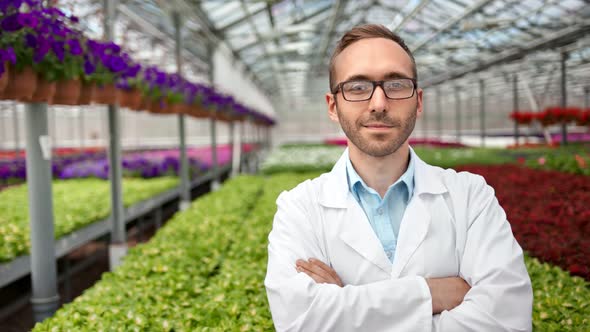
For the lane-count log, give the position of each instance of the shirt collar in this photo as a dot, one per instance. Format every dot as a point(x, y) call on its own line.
point(353, 178)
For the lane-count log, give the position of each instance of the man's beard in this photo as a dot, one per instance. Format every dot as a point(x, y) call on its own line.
point(378, 145)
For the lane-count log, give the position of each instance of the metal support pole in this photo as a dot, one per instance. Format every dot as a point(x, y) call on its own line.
point(118, 246)
point(214, 164)
point(45, 298)
point(586, 98)
point(16, 127)
point(457, 114)
point(213, 126)
point(564, 57)
point(237, 149)
point(439, 112)
point(515, 106)
point(232, 130)
point(482, 112)
point(424, 123)
point(185, 194)
point(81, 127)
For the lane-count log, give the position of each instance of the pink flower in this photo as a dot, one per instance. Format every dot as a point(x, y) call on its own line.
point(541, 161)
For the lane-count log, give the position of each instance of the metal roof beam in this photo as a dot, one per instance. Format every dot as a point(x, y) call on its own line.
point(449, 24)
point(311, 15)
point(558, 39)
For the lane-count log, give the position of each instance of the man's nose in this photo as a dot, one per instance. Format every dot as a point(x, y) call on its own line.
point(378, 101)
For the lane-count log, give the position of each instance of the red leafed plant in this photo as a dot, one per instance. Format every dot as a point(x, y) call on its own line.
point(522, 117)
point(548, 212)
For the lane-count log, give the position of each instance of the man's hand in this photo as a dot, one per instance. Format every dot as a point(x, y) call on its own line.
point(318, 271)
point(447, 293)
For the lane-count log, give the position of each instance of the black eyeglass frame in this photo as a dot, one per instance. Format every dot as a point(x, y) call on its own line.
point(375, 85)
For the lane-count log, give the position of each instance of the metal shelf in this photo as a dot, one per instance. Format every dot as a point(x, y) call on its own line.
point(21, 266)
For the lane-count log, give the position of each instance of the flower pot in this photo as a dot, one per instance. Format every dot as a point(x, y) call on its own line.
point(199, 112)
point(160, 107)
point(4, 78)
point(174, 108)
point(87, 91)
point(67, 92)
point(130, 99)
point(106, 94)
point(183, 108)
point(44, 91)
point(21, 84)
point(144, 105)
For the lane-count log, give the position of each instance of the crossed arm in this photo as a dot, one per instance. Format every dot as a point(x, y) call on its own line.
point(446, 293)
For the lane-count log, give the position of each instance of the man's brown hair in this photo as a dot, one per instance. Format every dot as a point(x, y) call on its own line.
point(364, 32)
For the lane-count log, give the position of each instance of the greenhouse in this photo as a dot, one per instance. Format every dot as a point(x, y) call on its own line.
point(294, 165)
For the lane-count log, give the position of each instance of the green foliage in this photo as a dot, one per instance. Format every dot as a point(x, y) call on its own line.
point(76, 203)
point(576, 163)
point(561, 302)
point(159, 286)
point(307, 158)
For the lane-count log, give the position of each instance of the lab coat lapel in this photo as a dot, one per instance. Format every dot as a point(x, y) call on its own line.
point(357, 233)
point(414, 228)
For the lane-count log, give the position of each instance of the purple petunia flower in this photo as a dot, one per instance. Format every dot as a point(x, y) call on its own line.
point(75, 48)
point(58, 49)
point(31, 40)
point(11, 23)
point(27, 20)
point(74, 19)
point(43, 47)
point(115, 64)
point(7, 55)
point(89, 67)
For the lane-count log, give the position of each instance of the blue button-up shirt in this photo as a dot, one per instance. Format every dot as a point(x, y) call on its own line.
point(385, 215)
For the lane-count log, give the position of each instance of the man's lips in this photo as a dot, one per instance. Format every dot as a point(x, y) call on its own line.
point(377, 126)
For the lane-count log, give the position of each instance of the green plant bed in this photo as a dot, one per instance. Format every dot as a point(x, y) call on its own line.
point(160, 284)
point(76, 203)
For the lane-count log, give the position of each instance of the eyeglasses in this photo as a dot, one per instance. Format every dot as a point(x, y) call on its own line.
point(399, 88)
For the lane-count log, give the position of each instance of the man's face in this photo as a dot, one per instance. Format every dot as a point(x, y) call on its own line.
point(380, 126)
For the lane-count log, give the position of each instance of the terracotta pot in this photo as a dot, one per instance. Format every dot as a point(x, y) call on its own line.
point(130, 99)
point(174, 108)
point(44, 91)
point(87, 91)
point(144, 105)
point(67, 92)
point(199, 112)
point(160, 107)
point(183, 108)
point(4, 78)
point(21, 85)
point(106, 94)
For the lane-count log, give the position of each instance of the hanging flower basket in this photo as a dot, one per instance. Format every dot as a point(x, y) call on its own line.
point(130, 99)
point(106, 94)
point(44, 91)
point(87, 91)
point(21, 84)
point(67, 92)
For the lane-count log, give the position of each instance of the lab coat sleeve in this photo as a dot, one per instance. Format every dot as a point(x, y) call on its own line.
point(298, 303)
point(500, 298)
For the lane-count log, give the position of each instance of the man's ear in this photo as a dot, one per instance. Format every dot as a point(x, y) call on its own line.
point(332, 107)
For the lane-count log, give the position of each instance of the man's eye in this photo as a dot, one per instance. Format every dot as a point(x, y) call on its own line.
point(358, 87)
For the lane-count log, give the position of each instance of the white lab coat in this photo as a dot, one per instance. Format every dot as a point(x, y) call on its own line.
point(453, 226)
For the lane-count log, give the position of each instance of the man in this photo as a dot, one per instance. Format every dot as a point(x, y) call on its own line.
point(385, 242)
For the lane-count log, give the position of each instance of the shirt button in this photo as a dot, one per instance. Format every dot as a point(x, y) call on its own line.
point(379, 211)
